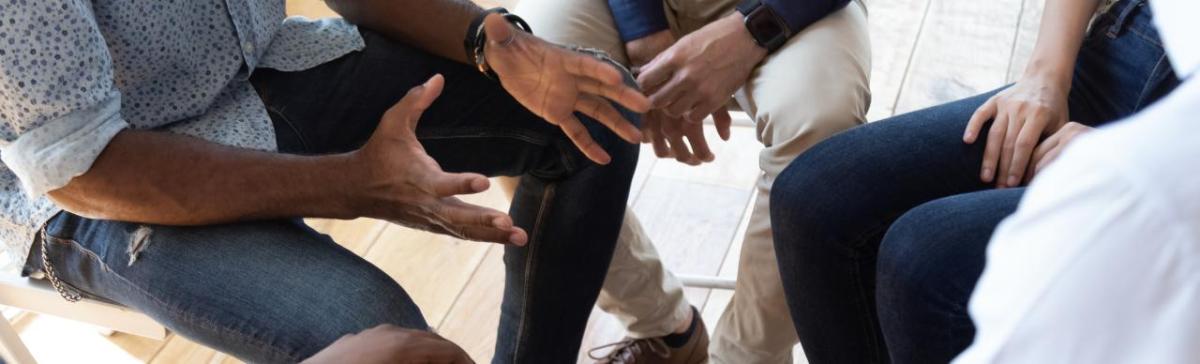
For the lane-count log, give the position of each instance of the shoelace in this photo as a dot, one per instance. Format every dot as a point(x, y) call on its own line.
point(625, 350)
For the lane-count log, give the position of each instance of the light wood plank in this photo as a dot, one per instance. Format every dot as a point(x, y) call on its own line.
point(964, 49)
point(309, 8)
point(181, 350)
point(433, 268)
point(358, 235)
point(475, 315)
point(895, 26)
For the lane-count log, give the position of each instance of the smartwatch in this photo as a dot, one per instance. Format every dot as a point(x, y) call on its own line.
point(765, 25)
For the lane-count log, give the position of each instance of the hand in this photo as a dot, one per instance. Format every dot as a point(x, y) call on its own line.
point(554, 82)
point(667, 134)
point(404, 185)
point(1022, 115)
point(640, 51)
point(1053, 146)
point(387, 344)
point(698, 75)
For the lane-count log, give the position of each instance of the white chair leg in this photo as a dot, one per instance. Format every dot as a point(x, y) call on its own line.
point(11, 347)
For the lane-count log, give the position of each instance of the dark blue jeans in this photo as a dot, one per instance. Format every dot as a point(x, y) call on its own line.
point(881, 231)
point(277, 291)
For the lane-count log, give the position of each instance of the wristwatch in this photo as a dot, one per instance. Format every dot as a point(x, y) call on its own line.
point(476, 38)
point(765, 25)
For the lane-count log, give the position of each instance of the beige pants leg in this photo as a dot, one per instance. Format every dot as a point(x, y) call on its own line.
point(638, 290)
point(812, 88)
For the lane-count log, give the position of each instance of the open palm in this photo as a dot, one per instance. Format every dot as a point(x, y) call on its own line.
point(554, 82)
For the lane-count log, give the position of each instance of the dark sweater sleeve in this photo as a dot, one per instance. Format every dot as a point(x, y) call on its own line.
point(799, 14)
point(638, 18)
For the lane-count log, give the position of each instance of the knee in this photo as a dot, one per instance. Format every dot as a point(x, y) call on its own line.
point(348, 304)
point(819, 199)
point(923, 256)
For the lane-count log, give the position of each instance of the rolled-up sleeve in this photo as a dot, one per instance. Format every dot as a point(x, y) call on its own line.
point(59, 106)
point(638, 18)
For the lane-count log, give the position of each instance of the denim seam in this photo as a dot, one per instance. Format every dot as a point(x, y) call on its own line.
point(1145, 37)
point(75, 245)
point(1150, 83)
point(547, 196)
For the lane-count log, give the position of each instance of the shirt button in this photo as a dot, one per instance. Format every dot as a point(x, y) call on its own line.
point(248, 47)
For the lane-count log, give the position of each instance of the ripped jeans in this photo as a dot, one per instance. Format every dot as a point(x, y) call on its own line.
point(278, 291)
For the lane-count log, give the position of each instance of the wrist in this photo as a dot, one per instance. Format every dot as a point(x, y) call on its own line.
point(735, 23)
point(1057, 74)
point(344, 181)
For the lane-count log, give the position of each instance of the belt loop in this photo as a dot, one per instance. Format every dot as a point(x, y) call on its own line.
point(1119, 25)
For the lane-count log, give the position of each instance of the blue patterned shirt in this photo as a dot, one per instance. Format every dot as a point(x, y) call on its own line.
point(74, 73)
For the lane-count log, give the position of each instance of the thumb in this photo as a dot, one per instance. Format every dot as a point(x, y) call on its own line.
point(499, 32)
point(414, 103)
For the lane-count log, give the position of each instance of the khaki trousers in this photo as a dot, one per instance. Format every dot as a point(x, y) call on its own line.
point(812, 88)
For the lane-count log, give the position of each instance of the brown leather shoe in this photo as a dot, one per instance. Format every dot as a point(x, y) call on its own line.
point(655, 351)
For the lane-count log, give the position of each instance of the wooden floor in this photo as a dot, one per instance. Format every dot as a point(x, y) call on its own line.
point(924, 52)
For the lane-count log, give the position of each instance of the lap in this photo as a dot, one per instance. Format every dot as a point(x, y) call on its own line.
point(263, 291)
point(336, 106)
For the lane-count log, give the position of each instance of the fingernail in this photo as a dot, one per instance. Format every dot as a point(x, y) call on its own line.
point(517, 239)
point(967, 136)
point(986, 174)
point(1013, 180)
point(501, 223)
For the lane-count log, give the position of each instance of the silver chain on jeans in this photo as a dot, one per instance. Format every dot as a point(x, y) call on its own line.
point(68, 293)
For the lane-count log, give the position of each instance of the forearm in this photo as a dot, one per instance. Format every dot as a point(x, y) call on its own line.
point(1064, 25)
point(435, 26)
point(162, 178)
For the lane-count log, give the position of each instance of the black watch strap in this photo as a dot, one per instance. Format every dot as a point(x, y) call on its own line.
point(476, 38)
point(769, 29)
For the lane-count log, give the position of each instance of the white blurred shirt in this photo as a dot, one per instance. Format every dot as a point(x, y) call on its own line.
point(1101, 261)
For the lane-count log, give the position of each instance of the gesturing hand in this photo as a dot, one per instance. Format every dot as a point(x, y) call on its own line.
point(554, 82)
point(387, 344)
point(404, 185)
point(1022, 115)
point(697, 76)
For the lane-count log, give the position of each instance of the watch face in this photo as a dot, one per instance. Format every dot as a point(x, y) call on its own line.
point(763, 26)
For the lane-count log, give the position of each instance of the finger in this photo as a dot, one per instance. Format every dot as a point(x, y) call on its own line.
point(722, 121)
point(603, 112)
point(703, 109)
point(1007, 149)
point(444, 184)
point(1039, 155)
point(657, 138)
point(414, 103)
point(1049, 157)
point(678, 147)
point(695, 137)
point(624, 95)
point(655, 73)
point(991, 151)
point(585, 65)
point(1027, 140)
point(583, 140)
point(459, 213)
point(472, 222)
point(499, 32)
point(677, 101)
point(984, 113)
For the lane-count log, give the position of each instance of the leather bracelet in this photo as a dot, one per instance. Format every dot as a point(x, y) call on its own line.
point(476, 38)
